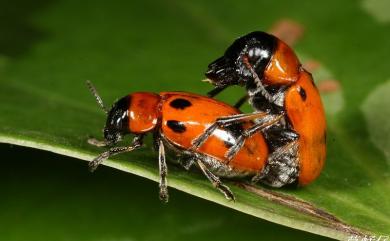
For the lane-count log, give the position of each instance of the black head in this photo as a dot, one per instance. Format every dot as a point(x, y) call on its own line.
point(255, 48)
point(117, 123)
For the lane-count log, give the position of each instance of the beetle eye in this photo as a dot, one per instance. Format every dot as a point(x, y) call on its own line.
point(257, 56)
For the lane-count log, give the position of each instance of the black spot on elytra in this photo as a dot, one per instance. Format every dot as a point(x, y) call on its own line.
point(176, 126)
point(180, 103)
point(302, 93)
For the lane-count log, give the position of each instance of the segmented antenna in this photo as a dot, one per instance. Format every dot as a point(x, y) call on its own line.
point(96, 95)
point(260, 86)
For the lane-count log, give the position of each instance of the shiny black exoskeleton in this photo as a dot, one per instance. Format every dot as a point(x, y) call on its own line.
point(254, 49)
point(117, 121)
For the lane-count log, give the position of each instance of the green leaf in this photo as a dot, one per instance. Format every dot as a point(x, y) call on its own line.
point(49, 49)
point(61, 202)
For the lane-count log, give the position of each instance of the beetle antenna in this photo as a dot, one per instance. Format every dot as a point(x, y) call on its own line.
point(96, 95)
point(260, 86)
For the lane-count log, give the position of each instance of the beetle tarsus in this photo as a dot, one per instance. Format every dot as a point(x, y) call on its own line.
point(137, 143)
point(216, 181)
point(163, 172)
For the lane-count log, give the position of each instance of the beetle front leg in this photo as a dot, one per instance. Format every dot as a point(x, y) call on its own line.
point(137, 143)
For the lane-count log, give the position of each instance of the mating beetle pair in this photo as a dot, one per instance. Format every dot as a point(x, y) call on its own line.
point(283, 142)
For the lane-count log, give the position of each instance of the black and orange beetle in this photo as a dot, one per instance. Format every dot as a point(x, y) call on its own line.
point(276, 84)
point(176, 119)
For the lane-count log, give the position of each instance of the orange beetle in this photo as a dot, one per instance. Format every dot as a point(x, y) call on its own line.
point(176, 119)
point(276, 83)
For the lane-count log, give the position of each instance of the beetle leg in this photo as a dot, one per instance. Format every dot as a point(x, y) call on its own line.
point(162, 164)
point(187, 163)
point(241, 101)
point(216, 91)
point(280, 136)
point(282, 166)
point(215, 181)
point(224, 121)
point(248, 133)
point(137, 143)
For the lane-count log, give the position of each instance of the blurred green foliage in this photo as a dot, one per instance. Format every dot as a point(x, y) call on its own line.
point(52, 197)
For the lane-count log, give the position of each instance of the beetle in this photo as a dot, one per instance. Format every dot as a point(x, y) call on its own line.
point(276, 83)
point(175, 119)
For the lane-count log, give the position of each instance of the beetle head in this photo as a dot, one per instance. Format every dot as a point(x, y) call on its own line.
point(117, 124)
point(253, 50)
